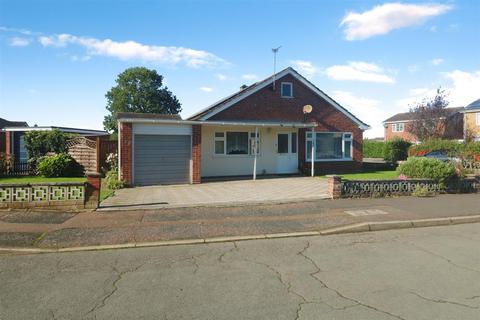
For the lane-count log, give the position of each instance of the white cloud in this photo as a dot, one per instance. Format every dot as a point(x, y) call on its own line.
point(359, 71)
point(306, 68)
point(437, 61)
point(413, 68)
point(17, 30)
point(130, 50)
point(415, 96)
point(221, 77)
point(206, 89)
point(366, 109)
point(82, 58)
point(249, 76)
point(387, 17)
point(19, 42)
point(465, 87)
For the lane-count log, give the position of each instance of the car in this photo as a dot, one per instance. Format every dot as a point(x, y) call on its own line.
point(442, 156)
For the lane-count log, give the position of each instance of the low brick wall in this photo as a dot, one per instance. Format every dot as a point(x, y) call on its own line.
point(382, 188)
point(51, 196)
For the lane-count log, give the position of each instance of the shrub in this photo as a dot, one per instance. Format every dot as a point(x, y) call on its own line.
point(427, 168)
point(396, 150)
point(5, 162)
point(373, 149)
point(422, 192)
point(59, 165)
point(452, 147)
point(112, 182)
point(40, 143)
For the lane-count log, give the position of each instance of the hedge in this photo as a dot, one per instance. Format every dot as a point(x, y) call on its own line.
point(373, 148)
point(452, 147)
point(428, 168)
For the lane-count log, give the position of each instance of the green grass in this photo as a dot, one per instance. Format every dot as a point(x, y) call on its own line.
point(37, 179)
point(371, 175)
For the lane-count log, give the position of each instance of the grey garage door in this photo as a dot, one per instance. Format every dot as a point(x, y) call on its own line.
point(161, 159)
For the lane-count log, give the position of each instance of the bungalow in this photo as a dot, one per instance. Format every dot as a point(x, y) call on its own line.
point(471, 119)
point(397, 126)
point(275, 126)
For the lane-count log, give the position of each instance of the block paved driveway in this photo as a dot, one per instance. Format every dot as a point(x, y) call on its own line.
point(219, 193)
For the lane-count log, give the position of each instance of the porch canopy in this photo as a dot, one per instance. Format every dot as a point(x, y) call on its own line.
point(161, 119)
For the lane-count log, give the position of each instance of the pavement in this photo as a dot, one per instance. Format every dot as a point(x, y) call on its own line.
point(50, 230)
point(292, 188)
point(427, 273)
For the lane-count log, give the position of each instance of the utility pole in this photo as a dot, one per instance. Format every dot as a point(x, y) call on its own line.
point(275, 50)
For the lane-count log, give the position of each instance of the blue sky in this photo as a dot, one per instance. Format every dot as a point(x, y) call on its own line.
point(59, 58)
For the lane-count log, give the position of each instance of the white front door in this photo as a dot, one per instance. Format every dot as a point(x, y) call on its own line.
point(287, 148)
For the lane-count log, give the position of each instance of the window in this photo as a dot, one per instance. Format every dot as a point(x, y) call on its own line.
point(294, 142)
point(282, 142)
point(286, 90)
point(329, 146)
point(398, 127)
point(236, 143)
point(23, 153)
point(478, 118)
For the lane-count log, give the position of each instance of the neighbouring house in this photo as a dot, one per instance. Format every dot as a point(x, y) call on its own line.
point(397, 126)
point(471, 119)
point(275, 126)
point(15, 144)
point(6, 123)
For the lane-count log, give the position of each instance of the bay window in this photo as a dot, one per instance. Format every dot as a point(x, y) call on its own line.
point(236, 143)
point(329, 146)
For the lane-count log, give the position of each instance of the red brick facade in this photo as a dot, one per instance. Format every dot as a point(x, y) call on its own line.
point(126, 137)
point(268, 105)
point(8, 143)
point(405, 135)
point(196, 153)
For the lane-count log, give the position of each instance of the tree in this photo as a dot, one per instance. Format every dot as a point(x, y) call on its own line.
point(139, 90)
point(39, 143)
point(429, 117)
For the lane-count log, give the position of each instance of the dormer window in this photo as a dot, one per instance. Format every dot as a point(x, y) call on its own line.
point(286, 90)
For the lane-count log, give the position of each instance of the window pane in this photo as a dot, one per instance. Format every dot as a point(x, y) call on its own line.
point(348, 145)
point(286, 89)
point(329, 146)
point(219, 147)
point(282, 143)
point(309, 150)
point(219, 134)
point(237, 142)
point(294, 142)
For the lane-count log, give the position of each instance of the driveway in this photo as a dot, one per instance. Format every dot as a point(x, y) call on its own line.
point(219, 193)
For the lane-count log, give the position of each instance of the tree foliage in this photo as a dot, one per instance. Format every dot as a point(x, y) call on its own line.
point(140, 90)
point(429, 117)
point(39, 143)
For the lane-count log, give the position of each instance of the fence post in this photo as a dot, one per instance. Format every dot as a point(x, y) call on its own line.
point(92, 190)
point(334, 186)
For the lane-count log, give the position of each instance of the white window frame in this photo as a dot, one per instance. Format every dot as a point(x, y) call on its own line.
point(251, 139)
point(313, 138)
point(291, 89)
point(478, 118)
point(398, 127)
point(290, 144)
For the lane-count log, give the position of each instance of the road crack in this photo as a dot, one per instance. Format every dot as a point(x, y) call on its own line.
point(443, 301)
point(234, 248)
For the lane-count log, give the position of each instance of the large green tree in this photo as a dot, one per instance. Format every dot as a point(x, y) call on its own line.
point(140, 90)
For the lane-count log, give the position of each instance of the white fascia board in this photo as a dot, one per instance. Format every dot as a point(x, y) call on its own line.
point(220, 123)
point(299, 78)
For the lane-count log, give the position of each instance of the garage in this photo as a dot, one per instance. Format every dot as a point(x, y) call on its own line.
point(161, 157)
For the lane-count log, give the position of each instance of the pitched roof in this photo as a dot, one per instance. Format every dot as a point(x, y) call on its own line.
point(408, 116)
point(229, 101)
point(6, 123)
point(136, 115)
point(475, 105)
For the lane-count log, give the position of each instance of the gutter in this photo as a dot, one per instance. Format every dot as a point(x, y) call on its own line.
point(219, 123)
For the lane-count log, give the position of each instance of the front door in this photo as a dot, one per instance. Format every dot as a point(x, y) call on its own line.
point(287, 148)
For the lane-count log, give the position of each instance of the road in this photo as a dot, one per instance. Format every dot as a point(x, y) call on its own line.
point(427, 273)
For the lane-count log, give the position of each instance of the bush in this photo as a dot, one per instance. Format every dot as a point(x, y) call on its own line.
point(112, 182)
point(40, 143)
point(452, 147)
point(427, 168)
point(396, 150)
point(373, 148)
point(59, 165)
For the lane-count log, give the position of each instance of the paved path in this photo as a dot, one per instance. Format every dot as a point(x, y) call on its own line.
point(217, 193)
point(428, 273)
point(117, 227)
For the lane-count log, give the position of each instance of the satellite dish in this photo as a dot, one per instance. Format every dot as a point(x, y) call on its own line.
point(307, 109)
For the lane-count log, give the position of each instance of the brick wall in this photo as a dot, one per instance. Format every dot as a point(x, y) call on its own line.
point(126, 152)
point(196, 153)
point(405, 135)
point(268, 105)
point(8, 142)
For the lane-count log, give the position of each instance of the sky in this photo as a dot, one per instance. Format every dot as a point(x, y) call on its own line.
point(376, 58)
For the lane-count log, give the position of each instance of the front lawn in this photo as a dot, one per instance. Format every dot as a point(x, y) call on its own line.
point(38, 179)
point(371, 175)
